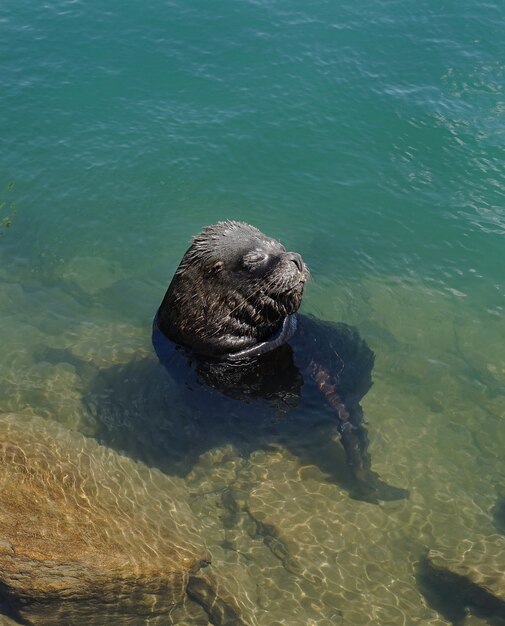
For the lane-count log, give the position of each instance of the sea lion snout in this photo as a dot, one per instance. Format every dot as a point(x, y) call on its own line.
point(297, 260)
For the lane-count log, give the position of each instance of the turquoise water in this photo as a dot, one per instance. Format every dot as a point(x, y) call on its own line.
point(367, 136)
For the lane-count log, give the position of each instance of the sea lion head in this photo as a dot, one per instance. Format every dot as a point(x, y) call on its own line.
point(233, 289)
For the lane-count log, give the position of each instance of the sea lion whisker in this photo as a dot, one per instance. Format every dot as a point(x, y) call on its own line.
point(260, 289)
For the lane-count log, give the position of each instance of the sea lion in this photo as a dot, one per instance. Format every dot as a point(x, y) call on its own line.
point(229, 322)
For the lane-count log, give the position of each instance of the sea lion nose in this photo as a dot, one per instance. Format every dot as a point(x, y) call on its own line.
point(297, 259)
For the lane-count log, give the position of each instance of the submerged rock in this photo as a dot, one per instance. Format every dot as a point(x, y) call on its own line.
point(88, 536)
point(476, 569)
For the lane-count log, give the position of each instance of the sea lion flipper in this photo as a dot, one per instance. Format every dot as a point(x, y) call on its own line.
point(368, 486)
point(367, 483)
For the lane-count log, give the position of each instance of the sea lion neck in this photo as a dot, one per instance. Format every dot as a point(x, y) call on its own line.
point(204, 325)
point(282, 336)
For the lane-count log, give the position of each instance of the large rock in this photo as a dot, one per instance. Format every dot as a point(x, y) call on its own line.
point(88, 536)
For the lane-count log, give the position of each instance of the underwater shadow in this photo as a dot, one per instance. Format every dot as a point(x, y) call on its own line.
point(168, 412)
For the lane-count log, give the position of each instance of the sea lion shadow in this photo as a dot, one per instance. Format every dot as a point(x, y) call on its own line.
point(167, 413)
point(135, 408)
point(140, 411)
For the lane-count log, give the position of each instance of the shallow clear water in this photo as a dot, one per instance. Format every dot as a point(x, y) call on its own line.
point(367, 136)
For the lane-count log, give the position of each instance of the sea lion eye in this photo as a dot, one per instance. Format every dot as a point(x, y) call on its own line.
point(254, 258)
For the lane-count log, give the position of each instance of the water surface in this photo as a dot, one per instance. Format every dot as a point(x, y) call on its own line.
point(367, 136)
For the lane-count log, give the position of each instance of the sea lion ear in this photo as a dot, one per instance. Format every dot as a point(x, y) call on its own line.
point(217, 267)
